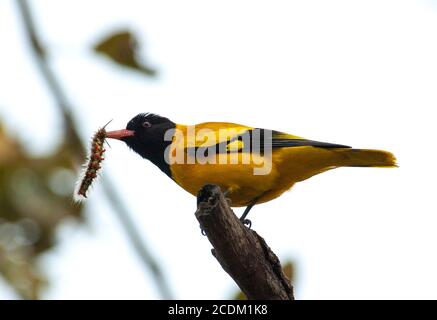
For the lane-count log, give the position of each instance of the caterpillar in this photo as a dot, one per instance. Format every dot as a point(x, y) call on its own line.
point(93, 164)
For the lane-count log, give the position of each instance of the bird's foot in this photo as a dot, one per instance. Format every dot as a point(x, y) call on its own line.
point(202, 231)
point(247, 223)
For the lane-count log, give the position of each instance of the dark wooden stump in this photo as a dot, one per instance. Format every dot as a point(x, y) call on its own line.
point(241, 252)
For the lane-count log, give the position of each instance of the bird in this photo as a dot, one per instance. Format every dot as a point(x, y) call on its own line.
point(251, 165)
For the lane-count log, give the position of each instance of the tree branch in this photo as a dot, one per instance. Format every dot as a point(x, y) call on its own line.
point(72, 135)
point(241, 252)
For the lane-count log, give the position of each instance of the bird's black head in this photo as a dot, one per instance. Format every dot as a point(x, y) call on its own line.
point(144, 134)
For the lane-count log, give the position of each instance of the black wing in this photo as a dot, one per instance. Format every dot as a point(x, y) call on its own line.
point(259, 139)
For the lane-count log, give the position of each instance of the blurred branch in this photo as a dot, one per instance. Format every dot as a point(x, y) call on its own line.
point(73, 137)
point(241, 252)
point(50, 78)
point(135, 238)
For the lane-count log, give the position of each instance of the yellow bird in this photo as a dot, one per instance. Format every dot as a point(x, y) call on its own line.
point(251, 165)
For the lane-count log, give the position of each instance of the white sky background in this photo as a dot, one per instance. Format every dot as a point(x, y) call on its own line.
point(362, 73)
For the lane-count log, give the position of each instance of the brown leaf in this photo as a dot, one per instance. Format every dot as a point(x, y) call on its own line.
point(122, 48)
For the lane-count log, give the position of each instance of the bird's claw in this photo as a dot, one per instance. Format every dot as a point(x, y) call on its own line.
point(202, 231)
point(247, 223)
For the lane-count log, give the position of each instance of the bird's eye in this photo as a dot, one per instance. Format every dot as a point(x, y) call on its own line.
point(146, 124)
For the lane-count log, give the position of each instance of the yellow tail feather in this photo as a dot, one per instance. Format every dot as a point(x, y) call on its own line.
point(366, 158)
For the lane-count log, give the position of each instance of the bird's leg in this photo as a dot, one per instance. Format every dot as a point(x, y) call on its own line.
point(243, 219)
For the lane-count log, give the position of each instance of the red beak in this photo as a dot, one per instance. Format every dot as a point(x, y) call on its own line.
point(120, 134)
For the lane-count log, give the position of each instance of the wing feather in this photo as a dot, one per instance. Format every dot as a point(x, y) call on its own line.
point(232, 137)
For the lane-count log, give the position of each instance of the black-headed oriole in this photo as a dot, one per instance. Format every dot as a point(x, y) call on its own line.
point(229, 154)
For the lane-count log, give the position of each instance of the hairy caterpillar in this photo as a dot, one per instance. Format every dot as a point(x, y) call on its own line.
point(93, 164)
